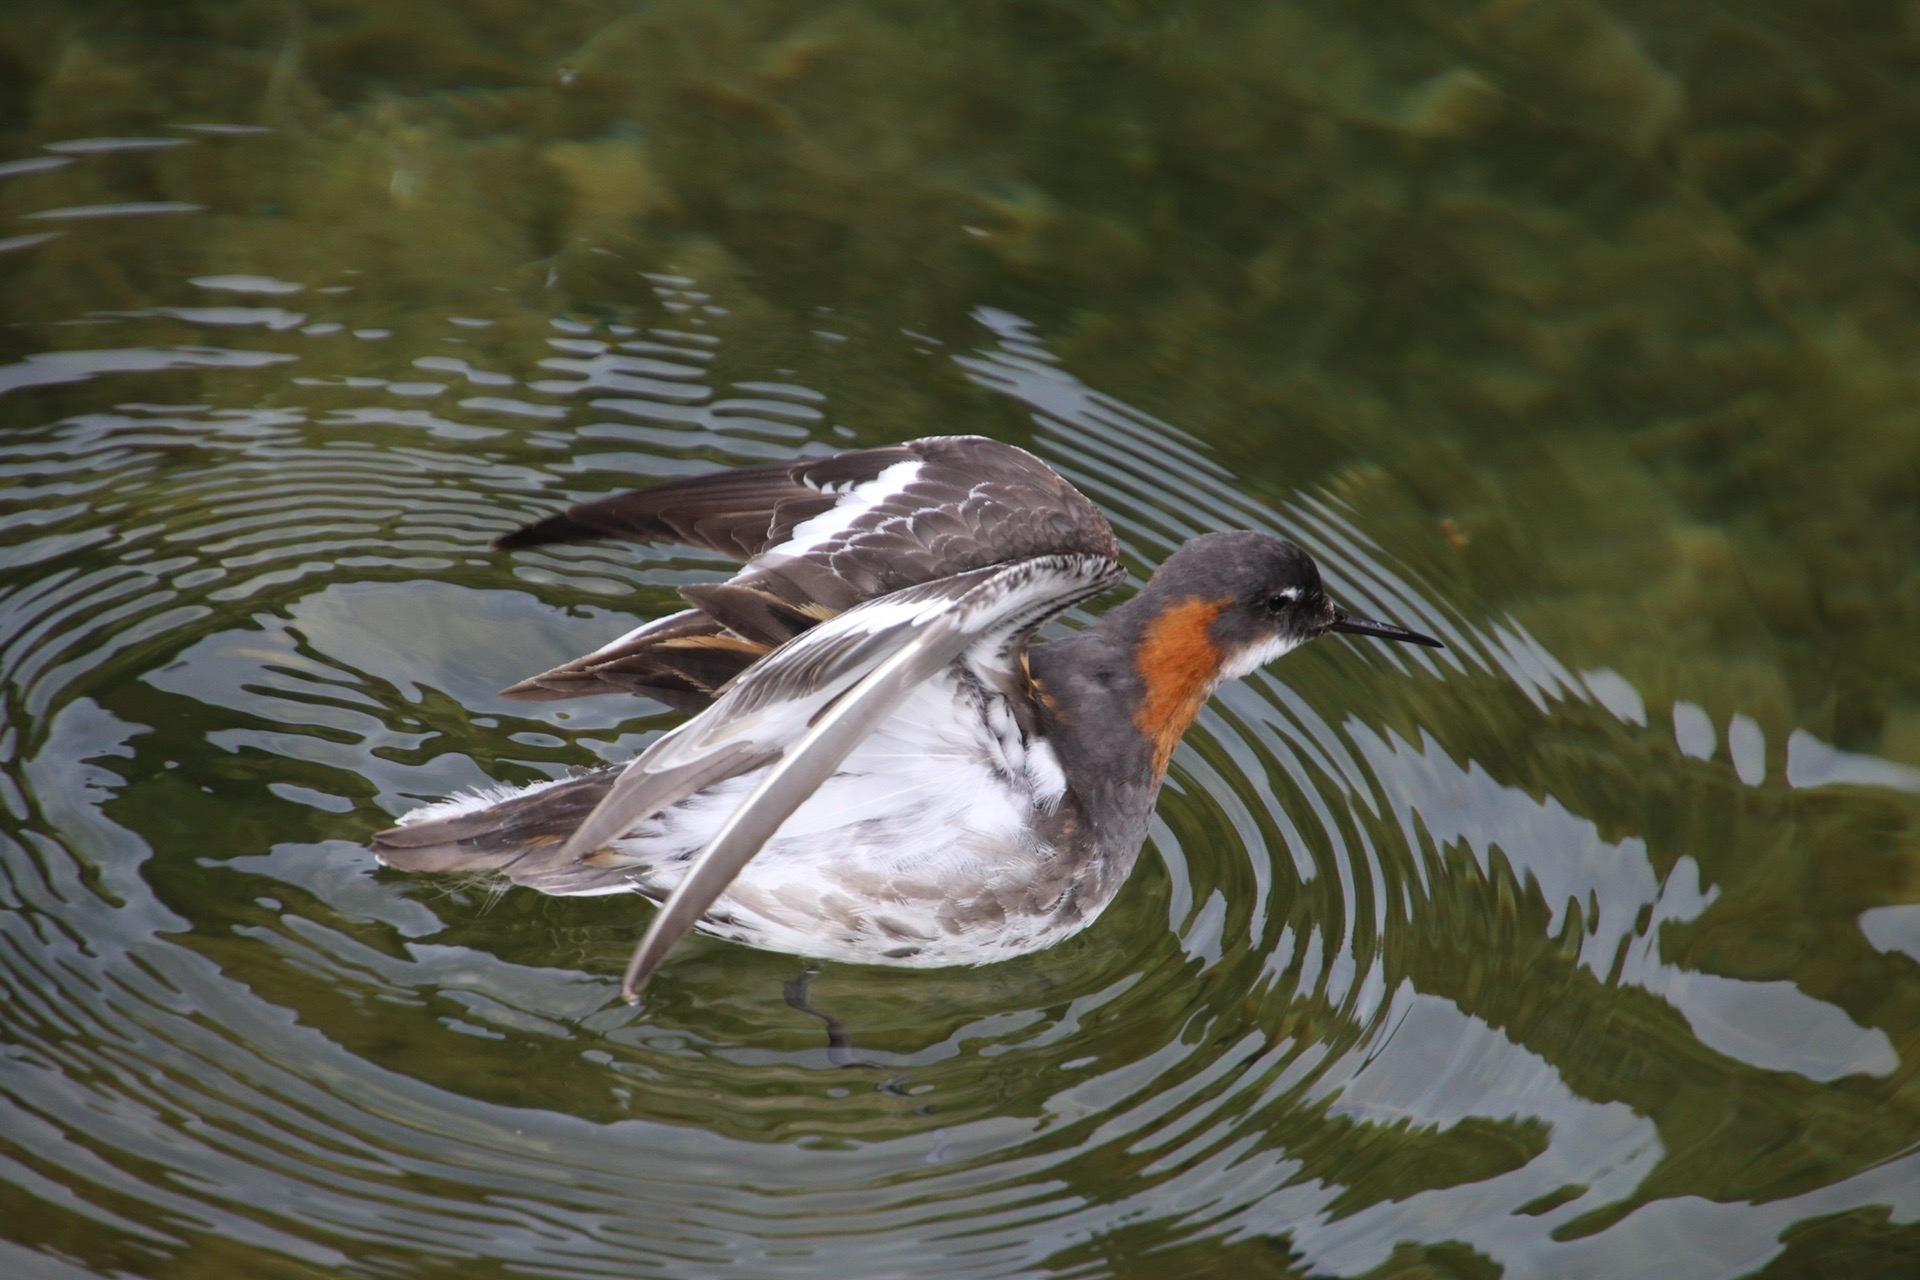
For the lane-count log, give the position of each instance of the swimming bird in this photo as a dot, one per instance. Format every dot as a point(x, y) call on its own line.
point(880, 767)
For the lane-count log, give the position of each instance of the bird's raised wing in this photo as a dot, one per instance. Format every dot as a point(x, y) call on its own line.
point(819, 536)
point(798, 714)
point(564, 838)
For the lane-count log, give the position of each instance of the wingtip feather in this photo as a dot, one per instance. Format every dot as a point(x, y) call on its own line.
point(558, 528)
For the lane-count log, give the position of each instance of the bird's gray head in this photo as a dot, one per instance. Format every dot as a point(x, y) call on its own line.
point(1259, 597)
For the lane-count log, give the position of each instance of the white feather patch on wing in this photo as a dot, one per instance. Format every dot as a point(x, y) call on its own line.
point(844, 514)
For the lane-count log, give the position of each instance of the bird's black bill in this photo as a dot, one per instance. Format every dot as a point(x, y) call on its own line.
point(1355, 625)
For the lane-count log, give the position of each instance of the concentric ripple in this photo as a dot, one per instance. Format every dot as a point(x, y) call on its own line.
point(238, 633)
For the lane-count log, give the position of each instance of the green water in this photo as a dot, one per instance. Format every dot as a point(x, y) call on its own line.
point(1583, 335)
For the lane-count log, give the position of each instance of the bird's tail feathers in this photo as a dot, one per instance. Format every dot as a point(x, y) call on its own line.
point(518, 837)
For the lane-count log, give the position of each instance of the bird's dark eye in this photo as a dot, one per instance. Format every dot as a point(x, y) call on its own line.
point(1278, 603)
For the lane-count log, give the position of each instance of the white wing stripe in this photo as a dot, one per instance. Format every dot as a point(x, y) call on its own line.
point(853, 503)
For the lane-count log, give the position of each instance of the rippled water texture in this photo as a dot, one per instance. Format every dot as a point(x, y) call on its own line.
point(1578, 336)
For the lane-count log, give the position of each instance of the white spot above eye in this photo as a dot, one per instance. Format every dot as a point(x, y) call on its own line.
point(1289, 594)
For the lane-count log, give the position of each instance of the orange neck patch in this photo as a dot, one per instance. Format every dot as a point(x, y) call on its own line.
point(1178, 663)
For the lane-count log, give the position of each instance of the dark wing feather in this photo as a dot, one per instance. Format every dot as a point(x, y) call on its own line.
point(739, 513)
point(679, 660)
point(819, 536)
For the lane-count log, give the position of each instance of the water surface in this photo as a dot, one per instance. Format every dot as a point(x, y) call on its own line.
point(1579, 335)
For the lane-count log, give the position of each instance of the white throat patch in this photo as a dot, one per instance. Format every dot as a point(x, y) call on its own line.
point(1254, 657)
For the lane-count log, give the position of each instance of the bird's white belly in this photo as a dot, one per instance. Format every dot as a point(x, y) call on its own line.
point(921, 850)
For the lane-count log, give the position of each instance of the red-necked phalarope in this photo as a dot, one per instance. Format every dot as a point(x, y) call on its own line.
point(879, 768)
